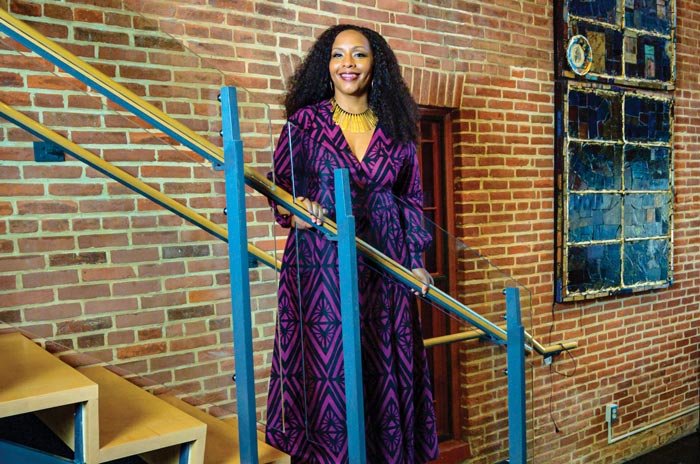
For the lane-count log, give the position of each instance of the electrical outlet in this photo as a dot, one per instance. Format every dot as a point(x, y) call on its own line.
point(610, 413)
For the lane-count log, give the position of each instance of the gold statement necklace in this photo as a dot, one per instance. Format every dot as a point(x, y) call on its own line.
point(353, 122)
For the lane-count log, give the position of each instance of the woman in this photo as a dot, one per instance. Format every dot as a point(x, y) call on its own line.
point(348, 107)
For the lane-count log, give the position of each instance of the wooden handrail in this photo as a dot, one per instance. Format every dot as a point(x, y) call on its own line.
point(475, 334)
point(126, 179)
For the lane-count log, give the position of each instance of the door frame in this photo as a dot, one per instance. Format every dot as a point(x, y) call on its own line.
point(445, 116)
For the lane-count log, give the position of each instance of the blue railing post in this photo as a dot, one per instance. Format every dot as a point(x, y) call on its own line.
point(78, 433)
point(240, 282)
point(350, 315)
point(516, 378)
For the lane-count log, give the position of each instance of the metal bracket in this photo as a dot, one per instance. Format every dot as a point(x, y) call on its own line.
point(48, 152)
point(252, 261)
point(491, 339)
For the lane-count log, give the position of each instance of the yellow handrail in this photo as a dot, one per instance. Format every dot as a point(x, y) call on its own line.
point(53, 52)
point(127, 179)
point(474, 334)
point(118, 93)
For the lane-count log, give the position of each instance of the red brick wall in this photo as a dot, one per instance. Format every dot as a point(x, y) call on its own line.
point(95, 268)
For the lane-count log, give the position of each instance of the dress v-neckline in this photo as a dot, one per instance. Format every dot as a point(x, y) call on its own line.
point(367, 149)
point(345, 142)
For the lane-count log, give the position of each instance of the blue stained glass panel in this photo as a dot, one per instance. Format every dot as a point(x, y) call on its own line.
point(594, 166)
point(646, 215)
point(647, 119)
point(595, 116)
point(594, 216)
point(649, 15)
point(602, 10)
point(594, 267)
point(647, 168)
point(653, 58)
point(646, 261)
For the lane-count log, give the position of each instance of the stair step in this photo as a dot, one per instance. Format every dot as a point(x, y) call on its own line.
point(135, 422)
point(34, 380)
point(222, 437)
point(131, 420)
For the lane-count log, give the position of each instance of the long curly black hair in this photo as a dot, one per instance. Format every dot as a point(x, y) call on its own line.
point(389, 96)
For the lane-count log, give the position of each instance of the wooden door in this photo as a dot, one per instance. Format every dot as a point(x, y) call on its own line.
point(435, 157)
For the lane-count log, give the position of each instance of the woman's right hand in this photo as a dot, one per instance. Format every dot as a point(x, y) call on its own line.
point(315, 209)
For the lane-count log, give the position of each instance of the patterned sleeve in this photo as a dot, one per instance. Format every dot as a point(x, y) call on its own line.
point(282, 172)
point(410, 198)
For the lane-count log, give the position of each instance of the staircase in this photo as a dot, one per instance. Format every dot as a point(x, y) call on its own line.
point(103, 417)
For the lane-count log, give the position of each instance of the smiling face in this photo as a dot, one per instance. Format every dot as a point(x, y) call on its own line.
point(350, 65)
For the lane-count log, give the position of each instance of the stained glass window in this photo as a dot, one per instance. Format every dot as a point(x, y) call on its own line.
point(615, 71)
point(616, 194)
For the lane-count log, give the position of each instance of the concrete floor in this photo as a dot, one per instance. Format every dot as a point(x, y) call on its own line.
point(683, 451)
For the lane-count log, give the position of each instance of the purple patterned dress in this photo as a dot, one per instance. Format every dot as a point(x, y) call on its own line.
point(306, 400)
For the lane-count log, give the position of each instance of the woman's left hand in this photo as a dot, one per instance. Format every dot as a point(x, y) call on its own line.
point(314, 208)
point(424, 276)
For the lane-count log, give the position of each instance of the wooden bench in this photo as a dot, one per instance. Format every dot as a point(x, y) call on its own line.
point(33, 380)
point(222, 437)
